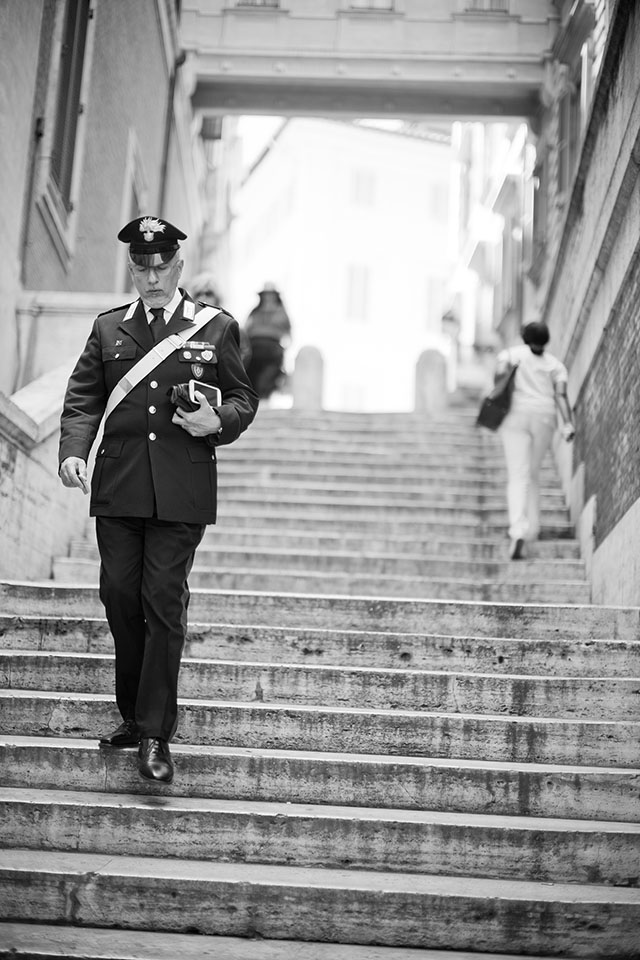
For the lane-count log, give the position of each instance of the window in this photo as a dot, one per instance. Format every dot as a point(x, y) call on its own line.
point(568, 137)
point(363, 188)
point(258, 3)
point(371, 4)
point(540, 214)
point(357, 292)
point(68, 106)
point(434, 303)
point(487, 6)
point(438, 201)
point(61, 154)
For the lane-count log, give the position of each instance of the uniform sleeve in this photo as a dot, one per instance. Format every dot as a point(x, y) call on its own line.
point(84, 401)
point(240, 401)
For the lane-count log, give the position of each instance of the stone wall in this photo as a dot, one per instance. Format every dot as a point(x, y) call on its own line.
point(20, 33)
point(591, 307)
point(38, 516)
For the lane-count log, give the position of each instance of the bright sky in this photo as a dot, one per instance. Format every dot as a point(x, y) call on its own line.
point(256, 133)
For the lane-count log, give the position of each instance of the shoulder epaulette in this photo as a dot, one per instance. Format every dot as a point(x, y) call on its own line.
point(125, 306)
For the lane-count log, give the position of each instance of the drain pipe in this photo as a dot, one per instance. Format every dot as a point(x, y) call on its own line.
point(180, 59)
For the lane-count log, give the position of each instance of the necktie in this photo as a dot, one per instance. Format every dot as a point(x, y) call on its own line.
point(157, 325)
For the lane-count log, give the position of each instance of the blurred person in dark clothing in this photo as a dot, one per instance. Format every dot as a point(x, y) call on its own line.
point(269, 331)
point(203, 287)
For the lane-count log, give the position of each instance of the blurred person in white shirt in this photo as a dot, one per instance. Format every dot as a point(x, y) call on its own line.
point(540, 391)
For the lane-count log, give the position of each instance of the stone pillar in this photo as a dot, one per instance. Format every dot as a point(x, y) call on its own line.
point(431, 393)
point(307, 379)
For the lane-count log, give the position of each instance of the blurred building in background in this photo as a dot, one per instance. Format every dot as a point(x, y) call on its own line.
point(351, 223)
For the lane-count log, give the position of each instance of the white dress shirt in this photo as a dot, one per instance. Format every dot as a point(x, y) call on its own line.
point(169, 308)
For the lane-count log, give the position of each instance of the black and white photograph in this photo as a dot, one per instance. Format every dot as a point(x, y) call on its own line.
point(320, 480)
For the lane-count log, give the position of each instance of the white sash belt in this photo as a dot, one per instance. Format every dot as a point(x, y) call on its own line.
point(162, 350)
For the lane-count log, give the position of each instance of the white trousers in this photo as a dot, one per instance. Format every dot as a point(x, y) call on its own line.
point(526, 436)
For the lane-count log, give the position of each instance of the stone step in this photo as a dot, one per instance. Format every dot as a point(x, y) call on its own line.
point(462, 412)
point(286, 726)
point(214, 557)
point(329, 456)
point(557, 657)
point(487, 473)
point(349, 906)
point(608, 698)
point(445, 495)
point(268, 422)
point(495, 550)
point(290, 776)
point(296, 580)
point(272, 499)
point(30, 941)
point(479, 478)
point(444, 524)
point(270, 504)
point(487, 496)
point(483, 619)
point(489, 550)
point(313, 442)
point(386, 427)
point(334, 837)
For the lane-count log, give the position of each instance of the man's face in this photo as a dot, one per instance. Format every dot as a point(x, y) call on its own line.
point(156, 285)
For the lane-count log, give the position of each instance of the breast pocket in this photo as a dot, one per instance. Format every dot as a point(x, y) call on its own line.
point(116, 362)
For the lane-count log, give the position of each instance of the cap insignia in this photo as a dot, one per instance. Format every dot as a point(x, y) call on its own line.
point(150, 226)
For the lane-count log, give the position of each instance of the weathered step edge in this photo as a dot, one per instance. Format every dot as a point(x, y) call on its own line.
point(352, 612)
point(348, 906)
point(36, 941)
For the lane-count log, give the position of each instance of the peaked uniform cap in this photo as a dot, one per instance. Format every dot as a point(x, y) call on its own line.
point(148, 236)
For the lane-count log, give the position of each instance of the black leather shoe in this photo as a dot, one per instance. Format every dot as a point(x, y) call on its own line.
point(127, 735)
point(154, 760)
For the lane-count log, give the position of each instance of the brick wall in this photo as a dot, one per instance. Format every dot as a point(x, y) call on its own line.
point(608, 412)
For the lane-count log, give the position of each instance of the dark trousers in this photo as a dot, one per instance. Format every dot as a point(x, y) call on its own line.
point(144, 567)
point(264, 368)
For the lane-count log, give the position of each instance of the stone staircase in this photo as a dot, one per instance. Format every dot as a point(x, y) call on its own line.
point(393, 743)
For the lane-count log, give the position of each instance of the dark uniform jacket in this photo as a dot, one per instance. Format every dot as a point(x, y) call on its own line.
point(145, 464)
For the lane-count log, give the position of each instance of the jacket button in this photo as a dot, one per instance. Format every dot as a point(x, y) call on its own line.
point(116, 355)
point(153, 384)
point(152, 409)
point(152, 436)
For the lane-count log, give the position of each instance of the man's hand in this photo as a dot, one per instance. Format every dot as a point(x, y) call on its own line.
point(201, 422)
point(73, 473)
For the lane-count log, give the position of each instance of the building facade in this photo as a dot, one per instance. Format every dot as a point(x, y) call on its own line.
point(97, 127)
point(351, 224)
point(562, 240)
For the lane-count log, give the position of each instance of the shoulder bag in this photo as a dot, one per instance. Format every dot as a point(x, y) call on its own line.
point(495, 406)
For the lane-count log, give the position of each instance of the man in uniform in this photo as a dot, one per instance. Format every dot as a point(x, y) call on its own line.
point(153, 488)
